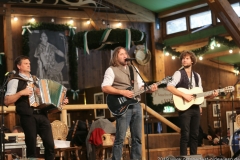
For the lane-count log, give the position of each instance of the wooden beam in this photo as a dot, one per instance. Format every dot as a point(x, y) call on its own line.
point(8, 37)
point(181, 9)
point(228, 17)
point(157, 56)
point(36, 12)
point(220, 54)
point(133, 8)
point(90, 13)
point(216, 65)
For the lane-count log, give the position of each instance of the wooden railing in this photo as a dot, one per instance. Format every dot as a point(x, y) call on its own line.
point(104, 106)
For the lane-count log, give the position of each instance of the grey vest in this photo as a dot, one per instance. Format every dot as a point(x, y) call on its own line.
point(122, 78)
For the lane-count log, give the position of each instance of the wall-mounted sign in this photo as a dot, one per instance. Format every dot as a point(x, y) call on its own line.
point(161, 96)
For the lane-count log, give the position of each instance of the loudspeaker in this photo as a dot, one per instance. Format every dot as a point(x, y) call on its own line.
point(197, 156)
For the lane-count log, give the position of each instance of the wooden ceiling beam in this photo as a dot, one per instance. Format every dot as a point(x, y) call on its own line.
point(90, 12)
point(75, 14)
point(181, 9)
point(220, 54)
point(216, 65)
point(134, 8)
point(228, 17)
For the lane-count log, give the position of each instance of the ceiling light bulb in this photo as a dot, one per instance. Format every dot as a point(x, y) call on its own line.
point(212, 47)
point(119, 24)
point(71, 21)
point(88, 22)
point(108, 25)
point(32, 19)
point(167, 54)
point(173, 57)
point(103, 22)
point(15, 18)
point(230, 51)
point(52, 20)
point(200, 58)
point(219, 45)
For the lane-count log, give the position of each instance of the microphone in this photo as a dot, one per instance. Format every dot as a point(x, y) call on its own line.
point(9, 73)
point(130, 59)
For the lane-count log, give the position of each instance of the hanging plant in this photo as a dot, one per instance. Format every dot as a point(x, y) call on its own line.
point(108, 39)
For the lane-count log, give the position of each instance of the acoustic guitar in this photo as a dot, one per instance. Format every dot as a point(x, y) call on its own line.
point(182, 105)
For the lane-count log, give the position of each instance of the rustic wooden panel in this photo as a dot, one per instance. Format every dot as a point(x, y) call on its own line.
point(1, 34)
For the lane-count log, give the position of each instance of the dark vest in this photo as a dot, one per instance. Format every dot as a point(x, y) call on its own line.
point(184, 81)
point(22, 104)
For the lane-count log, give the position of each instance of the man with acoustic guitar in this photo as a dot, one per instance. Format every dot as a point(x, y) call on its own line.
point(118, 77)
point(190, 117)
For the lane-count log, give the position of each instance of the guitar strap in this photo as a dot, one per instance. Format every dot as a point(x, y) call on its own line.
point(131, 76)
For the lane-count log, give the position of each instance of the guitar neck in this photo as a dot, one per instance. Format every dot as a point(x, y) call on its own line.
point(208, 93)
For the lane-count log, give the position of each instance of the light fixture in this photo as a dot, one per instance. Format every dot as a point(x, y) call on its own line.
point(71, 21)
point(103, 22)
point(88, 22)
point(200, 58)
point(230, 51)
point(173, 57)
point(212, 47)
point(52, 20)
point(218, 45)
point(119, 24)
point(15, 18)
point(167, 54)
point(32, 19)
point(108, 25)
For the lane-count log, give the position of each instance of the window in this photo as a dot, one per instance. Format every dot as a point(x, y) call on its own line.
point(236, 8)
point(176, 25)
point(200, 19)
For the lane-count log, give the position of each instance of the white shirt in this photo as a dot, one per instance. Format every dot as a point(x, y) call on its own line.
point(109, 78)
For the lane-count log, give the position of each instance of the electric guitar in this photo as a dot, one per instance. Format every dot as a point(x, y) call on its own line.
point(118, 104)
point(182, 105)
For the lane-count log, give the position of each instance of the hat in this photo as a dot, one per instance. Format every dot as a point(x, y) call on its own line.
point(142, 58)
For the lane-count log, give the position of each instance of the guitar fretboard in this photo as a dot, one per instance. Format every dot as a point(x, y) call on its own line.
point(208, 93)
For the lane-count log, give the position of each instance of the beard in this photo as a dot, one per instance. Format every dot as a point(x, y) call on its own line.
point(187, 66)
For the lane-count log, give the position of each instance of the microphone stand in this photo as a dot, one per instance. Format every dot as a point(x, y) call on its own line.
point(2, 135)
point(146, 114)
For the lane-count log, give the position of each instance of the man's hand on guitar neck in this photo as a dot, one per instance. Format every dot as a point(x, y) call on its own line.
point(215, 94)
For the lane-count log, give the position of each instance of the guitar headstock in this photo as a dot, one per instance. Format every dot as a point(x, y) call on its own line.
point(229, 89)
point(166, 80)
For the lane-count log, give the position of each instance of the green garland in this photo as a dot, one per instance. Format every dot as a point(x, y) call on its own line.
point(158, 108)
point(202, 50)
point(117, 37)
point(71, 48)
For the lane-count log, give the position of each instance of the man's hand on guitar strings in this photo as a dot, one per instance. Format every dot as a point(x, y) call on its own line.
point(187, 97)
point(127, 93)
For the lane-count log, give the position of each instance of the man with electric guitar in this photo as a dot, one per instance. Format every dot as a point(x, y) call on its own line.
point(184, 80)
point(117, 79)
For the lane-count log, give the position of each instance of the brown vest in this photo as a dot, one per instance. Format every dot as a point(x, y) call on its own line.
point(122, 78)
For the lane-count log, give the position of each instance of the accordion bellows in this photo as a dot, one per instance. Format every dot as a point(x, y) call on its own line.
point(51, 95)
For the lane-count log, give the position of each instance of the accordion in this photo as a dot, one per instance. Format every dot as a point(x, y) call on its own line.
point(51, 95)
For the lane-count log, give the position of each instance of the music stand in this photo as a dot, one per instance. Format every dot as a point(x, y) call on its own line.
point(2, 135)
point(146, 114)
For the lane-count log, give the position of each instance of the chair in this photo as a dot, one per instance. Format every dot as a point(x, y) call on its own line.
point(60, 131)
